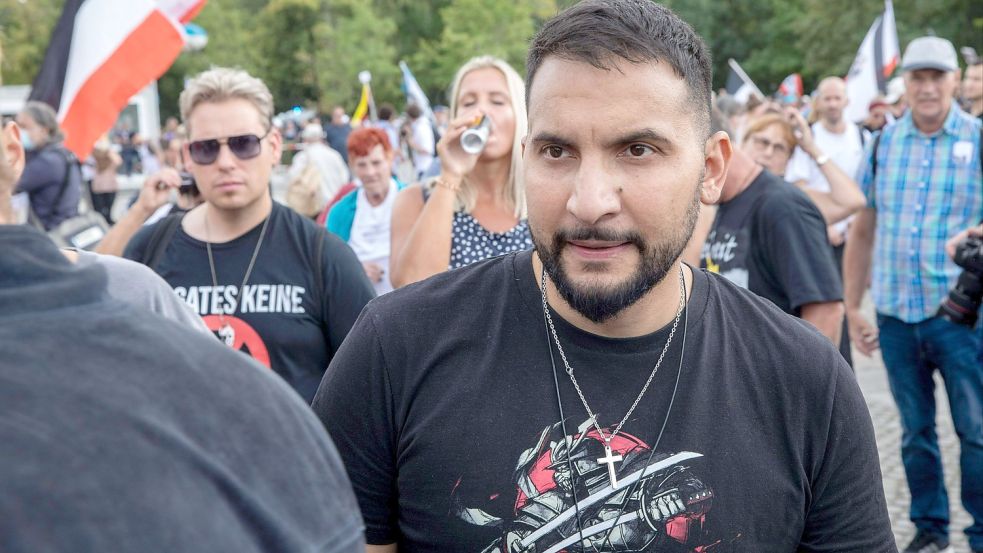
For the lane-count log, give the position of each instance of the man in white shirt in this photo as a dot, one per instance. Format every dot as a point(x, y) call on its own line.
point(419, 138)
point(840, 140)
point(362, 217)
point(329, 163)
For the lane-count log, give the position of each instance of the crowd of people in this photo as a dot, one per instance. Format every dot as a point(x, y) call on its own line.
point(429, 348)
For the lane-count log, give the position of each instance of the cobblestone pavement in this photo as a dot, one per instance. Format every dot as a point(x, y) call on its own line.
point(887, 428)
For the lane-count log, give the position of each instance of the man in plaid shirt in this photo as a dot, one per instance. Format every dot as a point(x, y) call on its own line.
point(923, 184)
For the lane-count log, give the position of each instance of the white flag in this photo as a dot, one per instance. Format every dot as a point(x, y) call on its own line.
point(875, 61)
point(414, 92)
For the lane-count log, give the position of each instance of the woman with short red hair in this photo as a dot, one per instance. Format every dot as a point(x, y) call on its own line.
point(362, 216)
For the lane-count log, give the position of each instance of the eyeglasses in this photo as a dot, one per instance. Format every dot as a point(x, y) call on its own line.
point(244, 146)
point(763, 143)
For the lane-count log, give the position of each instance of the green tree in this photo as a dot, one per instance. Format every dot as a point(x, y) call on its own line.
point(288, 41)
point(231, 43)
point(25, 28)
point(355, 38)
point(470, 28)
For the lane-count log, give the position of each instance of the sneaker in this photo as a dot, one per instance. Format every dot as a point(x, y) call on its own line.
point(925, 542)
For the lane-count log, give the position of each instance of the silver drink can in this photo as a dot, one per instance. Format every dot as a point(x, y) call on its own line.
point(476, 136)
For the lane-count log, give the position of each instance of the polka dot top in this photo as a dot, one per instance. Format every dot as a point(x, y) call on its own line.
point(471, 242)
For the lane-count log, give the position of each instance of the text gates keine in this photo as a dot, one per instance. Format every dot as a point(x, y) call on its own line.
point(256, 298)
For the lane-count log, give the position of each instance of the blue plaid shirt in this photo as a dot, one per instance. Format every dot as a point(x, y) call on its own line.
point(927, 188)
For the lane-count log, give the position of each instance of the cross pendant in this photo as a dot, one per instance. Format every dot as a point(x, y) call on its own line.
point(610, 459)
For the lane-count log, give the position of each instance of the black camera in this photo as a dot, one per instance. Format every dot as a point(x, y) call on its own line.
point(962, 305)
point(188, 185)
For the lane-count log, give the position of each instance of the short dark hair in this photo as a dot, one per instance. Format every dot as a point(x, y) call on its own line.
point(386, 112)
point(413, 111)
point(601, 31)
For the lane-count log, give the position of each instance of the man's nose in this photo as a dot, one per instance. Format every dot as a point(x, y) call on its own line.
point(226, 159)
point(595, 195)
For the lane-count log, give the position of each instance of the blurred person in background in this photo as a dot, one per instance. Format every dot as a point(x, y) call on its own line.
point(52, 177)
point(476, 208)
point(265, 279)
point(363, 217)
point(104, 182)
point(337, 130)
point(417, 135)
point(972, 89)
point(876, 115)
point(770, 140)
point(329, 163)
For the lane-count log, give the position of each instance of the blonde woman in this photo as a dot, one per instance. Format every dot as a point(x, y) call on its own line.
point(475, 209)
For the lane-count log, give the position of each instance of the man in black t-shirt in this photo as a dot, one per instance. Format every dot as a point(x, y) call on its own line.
point(769, 238)
point(266, 280)
point(596, 394)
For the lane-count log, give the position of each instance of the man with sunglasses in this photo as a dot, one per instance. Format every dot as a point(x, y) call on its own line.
point(266, 280)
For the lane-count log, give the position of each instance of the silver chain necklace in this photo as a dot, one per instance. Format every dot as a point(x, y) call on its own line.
point(609, 458)
point(226, 332)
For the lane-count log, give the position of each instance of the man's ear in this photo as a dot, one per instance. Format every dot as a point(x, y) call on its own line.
point(13, 150)
point(276, 142)
point(717, 154)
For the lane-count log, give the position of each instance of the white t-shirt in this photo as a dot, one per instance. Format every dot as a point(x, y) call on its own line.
point(370, 233)
point(845, 150)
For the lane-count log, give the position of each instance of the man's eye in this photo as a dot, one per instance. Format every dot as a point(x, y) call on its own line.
point(553, 152)
point(640, 150)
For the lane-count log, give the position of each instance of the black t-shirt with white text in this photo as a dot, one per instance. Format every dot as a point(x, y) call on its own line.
point(443, 406)
point(771, 239)
point(282, 318)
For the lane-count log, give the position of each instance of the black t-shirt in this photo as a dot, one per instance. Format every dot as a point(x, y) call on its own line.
point(771, 239)
point(284, 318)
point(125, 431)
point(443, 406)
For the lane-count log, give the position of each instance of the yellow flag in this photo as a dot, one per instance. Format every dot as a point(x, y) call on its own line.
point(362, 109)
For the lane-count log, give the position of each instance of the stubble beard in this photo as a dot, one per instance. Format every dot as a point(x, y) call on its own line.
point(602, 303)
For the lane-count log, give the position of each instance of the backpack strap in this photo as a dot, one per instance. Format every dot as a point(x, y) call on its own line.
point(159, 240)
point(70, 160)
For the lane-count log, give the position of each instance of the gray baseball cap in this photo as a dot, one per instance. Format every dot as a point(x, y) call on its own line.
point(929, 52)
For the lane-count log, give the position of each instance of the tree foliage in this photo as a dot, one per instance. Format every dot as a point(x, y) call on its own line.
point(310, 51)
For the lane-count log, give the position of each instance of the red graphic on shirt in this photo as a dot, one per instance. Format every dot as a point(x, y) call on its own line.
point(244, 338)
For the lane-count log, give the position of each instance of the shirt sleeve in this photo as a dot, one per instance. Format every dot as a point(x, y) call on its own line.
point(355, 404)
point(798, 252)
point(346, 288)
point(848, 512)
point(799, 167)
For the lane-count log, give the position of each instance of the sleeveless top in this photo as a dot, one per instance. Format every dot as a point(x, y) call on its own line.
point(471, 242)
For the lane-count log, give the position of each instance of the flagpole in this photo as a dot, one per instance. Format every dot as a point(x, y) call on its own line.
point(740, 72)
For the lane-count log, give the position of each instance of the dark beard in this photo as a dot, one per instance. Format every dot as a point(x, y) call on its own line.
point(602, 303)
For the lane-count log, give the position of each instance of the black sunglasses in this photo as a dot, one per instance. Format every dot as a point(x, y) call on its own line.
point(245, 146)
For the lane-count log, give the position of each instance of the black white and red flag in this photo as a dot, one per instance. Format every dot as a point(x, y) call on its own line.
point(875, 62)
point(739, 85)
point(101, 53)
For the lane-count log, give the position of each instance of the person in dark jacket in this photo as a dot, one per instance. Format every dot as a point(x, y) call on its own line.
point(52, 177)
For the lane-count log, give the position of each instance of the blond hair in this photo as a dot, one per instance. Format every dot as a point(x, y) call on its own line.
point(514, 192)
point(223, 83)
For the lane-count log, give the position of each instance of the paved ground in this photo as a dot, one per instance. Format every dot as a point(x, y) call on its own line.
point(887, 427)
